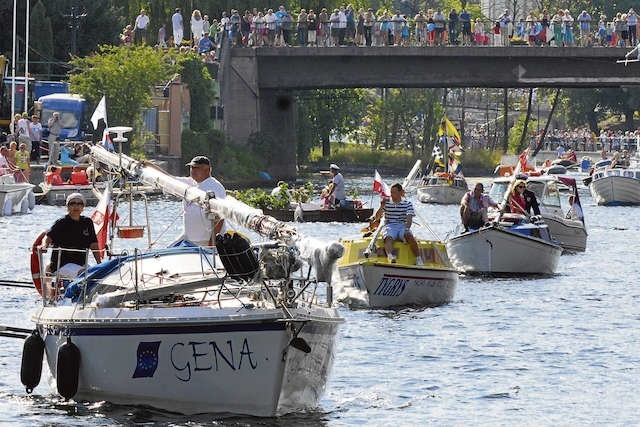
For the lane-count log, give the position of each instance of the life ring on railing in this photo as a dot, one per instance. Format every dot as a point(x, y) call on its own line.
point(35, 262)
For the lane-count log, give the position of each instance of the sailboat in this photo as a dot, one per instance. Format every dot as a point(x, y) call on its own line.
point(446, 184)
point(239, 328)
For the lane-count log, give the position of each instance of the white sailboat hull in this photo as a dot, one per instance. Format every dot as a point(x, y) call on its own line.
point(195, 359)
point(496, 250)
point(442, 194)
point(394, 285)
point(615, 190)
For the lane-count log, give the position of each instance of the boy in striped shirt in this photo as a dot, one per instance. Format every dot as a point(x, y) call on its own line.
point(398, 217)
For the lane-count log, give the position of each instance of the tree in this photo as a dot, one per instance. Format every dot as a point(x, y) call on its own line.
point(125, 75)
point(201, 90)
point(328, 112)
point(41, 38)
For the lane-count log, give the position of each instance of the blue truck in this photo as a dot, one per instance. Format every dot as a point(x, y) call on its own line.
point(72, 109)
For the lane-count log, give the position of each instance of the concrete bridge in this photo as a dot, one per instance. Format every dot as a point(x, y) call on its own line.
point(258, 84)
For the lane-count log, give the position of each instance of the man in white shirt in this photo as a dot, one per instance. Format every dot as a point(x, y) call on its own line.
point(337, 187)
point(142, 22)
point(197, 223)
point(178, 29)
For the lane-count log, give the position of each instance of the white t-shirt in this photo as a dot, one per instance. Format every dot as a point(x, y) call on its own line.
point(197, 226)
point(338, 183)
point(142, 21)
point(176, 20)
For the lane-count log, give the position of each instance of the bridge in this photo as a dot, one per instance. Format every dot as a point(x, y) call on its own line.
point(258, 84)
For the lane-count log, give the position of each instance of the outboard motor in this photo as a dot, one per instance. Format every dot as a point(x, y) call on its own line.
point(68, 369)
point(31, 367)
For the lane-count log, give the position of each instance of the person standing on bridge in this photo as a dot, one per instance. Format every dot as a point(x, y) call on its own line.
point(506, 27)
point(178, 29)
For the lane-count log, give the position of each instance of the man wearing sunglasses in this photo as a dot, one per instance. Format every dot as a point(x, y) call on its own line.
point(71, 236)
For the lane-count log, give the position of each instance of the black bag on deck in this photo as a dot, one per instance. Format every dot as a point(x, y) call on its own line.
point(236, 255)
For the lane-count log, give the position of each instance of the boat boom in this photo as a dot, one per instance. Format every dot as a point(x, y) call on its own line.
point(236, 211)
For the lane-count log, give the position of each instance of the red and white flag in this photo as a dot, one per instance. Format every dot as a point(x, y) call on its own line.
point(101, 217)
point(380, 187)
point(523, 160)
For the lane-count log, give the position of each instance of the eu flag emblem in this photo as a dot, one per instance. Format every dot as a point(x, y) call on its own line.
point(147, 360)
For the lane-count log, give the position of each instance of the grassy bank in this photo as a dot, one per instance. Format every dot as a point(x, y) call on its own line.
point(359, 156)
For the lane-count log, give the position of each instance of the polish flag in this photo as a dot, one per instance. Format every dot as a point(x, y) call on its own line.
point(380, 187)
point(100, 218)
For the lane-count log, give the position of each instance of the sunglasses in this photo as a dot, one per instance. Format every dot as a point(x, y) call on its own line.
point(520, 186)
point(75, 204)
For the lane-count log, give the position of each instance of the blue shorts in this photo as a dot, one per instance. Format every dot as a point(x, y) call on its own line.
point(395, 231)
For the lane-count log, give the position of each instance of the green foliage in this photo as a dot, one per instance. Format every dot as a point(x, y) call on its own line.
point(41, 38)
point(201, 89)
point(260, 199)
point(125, 75)
point(481, 159)
point(365, 154)
point(326, 113)
point(515, 134)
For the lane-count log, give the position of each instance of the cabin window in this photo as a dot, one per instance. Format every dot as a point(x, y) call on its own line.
point(628, 174)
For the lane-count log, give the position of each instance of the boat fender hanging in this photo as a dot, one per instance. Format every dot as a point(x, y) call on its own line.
point(31, 367)
point(35, 262)
point(68, 369)
point(32, 200)
point(7, 209)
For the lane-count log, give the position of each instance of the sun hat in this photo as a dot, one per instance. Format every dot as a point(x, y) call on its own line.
point(74, 196)
point(199, 161)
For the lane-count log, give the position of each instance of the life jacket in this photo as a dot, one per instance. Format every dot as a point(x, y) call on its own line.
point(79, 177)
point(53, 177)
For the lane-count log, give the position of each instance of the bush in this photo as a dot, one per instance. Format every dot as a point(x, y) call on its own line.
point(260, 199)
point(364, 154)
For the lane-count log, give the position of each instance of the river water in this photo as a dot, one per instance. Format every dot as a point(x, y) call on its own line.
point(559, 350)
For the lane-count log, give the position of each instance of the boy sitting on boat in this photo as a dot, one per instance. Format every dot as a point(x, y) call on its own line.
point(398, 217)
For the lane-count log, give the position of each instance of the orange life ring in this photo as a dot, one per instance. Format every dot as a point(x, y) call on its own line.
point(35, 262)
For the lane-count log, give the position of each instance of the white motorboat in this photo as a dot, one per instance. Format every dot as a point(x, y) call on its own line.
point(15, 197)
point(442, 188)
point(511, 245)
point(616, 186)
point(369, 279)
point(570, 233)
point(236, 329)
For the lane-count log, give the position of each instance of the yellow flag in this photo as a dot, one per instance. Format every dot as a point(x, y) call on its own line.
point(448, 129)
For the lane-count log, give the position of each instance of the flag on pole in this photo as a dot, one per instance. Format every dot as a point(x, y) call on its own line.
point(454, 165)
point(100, 218)
point(438, 158)
point(523, 159)
point(106, 140)
point(449, 130)
point(379, 186)
point(100, 113)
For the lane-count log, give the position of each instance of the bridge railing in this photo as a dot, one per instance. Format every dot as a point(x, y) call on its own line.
point(415, 33)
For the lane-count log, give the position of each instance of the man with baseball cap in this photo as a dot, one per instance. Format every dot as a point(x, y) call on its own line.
point(337, 189)
point(198, 227)
point(71, 235)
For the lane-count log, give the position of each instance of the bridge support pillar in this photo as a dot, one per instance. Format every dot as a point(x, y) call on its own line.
point(277, 122)
point(268, 112)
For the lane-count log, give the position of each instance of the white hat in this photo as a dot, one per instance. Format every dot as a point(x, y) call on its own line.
point(334, 166)
point(74, 196)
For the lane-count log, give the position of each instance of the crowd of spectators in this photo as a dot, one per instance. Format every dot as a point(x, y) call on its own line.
point(367, 27)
